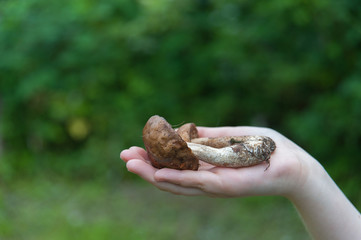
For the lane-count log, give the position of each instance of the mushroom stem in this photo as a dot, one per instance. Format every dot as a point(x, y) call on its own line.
point(237, 155)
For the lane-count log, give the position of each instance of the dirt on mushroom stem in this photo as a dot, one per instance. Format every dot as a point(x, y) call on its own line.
point(251, 151)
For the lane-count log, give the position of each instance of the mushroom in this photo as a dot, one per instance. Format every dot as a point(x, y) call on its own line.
point(188, 132)
point(183, 149)
point(165, 147)
point(237, 151)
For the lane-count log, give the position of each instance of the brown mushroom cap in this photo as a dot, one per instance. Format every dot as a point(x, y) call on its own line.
point(165, 147)
point(188, 132)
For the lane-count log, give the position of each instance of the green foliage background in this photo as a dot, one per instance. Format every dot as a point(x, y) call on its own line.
point(79, 79)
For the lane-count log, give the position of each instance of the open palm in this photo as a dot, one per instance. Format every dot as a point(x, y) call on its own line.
point(280, 179)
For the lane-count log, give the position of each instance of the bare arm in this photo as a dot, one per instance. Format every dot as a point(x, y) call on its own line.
point(293, 173)
point(325, 210)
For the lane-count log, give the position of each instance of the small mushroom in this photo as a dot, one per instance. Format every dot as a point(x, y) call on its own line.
point(188, 132)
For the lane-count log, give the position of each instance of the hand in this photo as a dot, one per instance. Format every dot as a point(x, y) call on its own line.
point(293, 173)
point(288, 170)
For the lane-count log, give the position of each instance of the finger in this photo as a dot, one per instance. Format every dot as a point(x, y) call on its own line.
point(213, 132)
point(179, 190)
point(146, 171)
point(202, 180)
point(231, 131)
point(133, 153)
point(141, 168)
point(140, 151)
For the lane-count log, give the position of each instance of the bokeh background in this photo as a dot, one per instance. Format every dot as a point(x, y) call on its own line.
point(79, 79)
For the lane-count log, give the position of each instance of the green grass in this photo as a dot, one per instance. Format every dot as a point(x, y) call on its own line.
point(58, 209)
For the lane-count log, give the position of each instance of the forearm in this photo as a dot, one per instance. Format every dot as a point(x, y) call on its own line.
point(326, 212)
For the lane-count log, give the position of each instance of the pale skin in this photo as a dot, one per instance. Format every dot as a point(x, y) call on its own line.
point(293, 173)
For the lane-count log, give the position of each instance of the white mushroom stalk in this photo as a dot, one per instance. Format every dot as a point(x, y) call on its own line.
point(237, 155)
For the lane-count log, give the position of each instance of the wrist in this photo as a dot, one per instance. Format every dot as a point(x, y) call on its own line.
point(307, 177)
point(311, 179)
